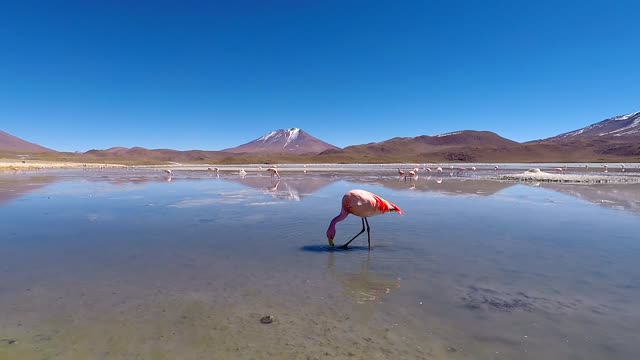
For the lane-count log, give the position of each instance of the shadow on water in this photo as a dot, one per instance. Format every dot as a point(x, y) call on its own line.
point(327, 248)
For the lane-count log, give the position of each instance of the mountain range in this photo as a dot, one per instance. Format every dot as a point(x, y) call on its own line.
point(613, 139)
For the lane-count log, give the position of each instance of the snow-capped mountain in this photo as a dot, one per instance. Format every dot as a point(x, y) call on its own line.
point(618, 128)
point(11, 143)
point(293, 141)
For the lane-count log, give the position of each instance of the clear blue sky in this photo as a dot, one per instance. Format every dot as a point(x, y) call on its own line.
point(210, 75)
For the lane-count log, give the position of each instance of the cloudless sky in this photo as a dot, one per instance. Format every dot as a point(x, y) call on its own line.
point(215, 74)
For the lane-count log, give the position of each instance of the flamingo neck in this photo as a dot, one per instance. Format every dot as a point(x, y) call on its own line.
point(343, 215)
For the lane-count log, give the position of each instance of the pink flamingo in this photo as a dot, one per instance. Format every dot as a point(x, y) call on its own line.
point(363, 204)
point(274, 172)
point(168, 171)
point(439, 169)
point(473, 168)
point(560, 170)
point(606, 168)
point(412, 173)
point(400, 172)
point(495, 168)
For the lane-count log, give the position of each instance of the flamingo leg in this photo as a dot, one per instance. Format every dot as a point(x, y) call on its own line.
point(358, 234)
point(368, 232)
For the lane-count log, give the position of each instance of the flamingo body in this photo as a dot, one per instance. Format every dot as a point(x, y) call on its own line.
point(364, 204)
point(413, 172)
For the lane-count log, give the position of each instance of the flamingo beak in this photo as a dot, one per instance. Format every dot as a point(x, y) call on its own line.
point(330, 241)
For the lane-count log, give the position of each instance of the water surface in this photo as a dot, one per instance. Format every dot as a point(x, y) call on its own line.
point(133, 264)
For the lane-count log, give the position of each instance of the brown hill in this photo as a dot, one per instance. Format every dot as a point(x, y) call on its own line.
point(466, 145)
point(153, 155)
point(11, 143)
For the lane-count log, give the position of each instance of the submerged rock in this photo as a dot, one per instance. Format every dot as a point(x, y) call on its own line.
point(267, 319)
point(490, 299)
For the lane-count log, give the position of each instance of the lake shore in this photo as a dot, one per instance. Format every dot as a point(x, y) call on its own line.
point(13, 165)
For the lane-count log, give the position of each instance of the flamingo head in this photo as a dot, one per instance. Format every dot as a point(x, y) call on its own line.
point(331, 233)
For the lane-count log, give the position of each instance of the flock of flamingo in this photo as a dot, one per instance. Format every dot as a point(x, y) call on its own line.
point(272, 170)
point(413, 173)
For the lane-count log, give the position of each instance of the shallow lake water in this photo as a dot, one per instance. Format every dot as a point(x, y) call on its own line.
point(131, 264)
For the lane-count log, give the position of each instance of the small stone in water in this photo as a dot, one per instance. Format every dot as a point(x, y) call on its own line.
point(267, 319)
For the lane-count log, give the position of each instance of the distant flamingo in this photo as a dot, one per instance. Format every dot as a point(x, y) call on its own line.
point(560, 170)
point(363, 204)
point(473, 168)
point(274, 172)
point(439, 169)
point(428, 169)
point(495, 168)
point(622, 167)
point(242, 172)
point(168, 171)
point(400, 172)
point(412, 174)
point(606, 168)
